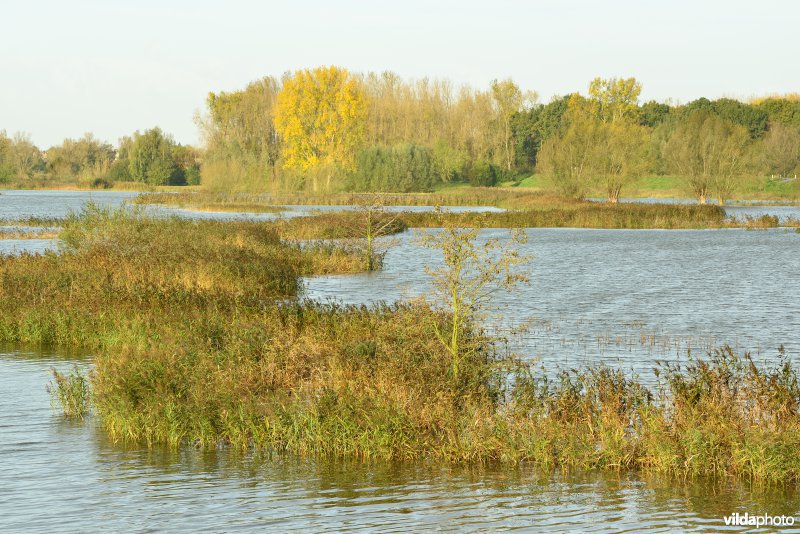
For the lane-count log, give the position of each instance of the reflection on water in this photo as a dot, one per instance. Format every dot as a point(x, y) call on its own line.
point(58, 474)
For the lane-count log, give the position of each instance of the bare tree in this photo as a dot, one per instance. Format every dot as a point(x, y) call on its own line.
point(371, 222)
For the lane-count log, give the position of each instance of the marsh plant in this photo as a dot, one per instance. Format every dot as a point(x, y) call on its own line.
point(473, 271)
point(70, 392)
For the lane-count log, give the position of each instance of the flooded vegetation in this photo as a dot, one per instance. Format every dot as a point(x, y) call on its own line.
point(216, 338)
point(198, 344)
point(139, 487)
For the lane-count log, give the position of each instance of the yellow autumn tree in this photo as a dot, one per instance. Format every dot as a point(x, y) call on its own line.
point(320, 116)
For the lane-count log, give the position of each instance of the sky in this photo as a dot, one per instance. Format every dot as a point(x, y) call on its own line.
point(111, 67)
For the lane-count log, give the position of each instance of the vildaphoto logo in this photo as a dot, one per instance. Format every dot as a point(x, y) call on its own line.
point(752, 520)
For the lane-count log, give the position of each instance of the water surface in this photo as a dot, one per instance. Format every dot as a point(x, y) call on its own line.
point(623, 298)
point(63, 475)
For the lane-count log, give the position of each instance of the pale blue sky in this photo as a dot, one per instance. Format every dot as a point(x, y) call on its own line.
point(110, 67)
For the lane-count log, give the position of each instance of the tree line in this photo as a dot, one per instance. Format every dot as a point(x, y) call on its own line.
point(150, 157)
point(326, 129)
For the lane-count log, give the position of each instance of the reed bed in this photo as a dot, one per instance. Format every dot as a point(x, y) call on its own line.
point(51, 222)
point(235, 202)
point(71, 393)
point(19, 232)
point(120, 271)
point(202, 338)
point(463, 196)
point(584, 215)
point(525, 210)
point(338, 225)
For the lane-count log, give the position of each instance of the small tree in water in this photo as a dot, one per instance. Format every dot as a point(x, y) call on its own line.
point(473, 272)
point(373, 221)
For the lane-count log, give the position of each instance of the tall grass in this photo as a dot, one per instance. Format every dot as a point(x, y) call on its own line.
point(530, 210)
point(120, 272)
point(583, 215)
point(70, 391)
point(227, 201)
point(466, 196)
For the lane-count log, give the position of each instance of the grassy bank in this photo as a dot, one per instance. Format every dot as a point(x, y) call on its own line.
point(21, 232)
point(590, 215)
point(92, 185)
point(461, 196)
point(121, 272)
point(670, 186)
point(200, 338)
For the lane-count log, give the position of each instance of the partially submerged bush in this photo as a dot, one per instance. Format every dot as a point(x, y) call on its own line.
point(70, 391)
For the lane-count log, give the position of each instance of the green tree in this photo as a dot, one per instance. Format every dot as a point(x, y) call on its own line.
point(151, 159)
point(448, 163)
point(709, 153)
point(566, 158)
point(785, 111)
point(780, 150)
point(509, 100)
point(534, 126)
point(653, 114)
point(86, 158)
point(402, 168)
point(25, 157)
point(752, 118)
point(7, 171)
point(621, 154)
point(241, 136)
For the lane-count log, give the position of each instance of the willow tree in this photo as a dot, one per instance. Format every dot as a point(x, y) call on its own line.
point(781, 150)
point(621, 153)
point(240, 134)
point(509, 100)
point(85, 158)
point(710, 154)
point(24, 155)
point(320, 116)
point(567, 157)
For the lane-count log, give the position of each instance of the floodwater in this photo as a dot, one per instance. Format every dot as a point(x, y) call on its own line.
point(623, 298)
